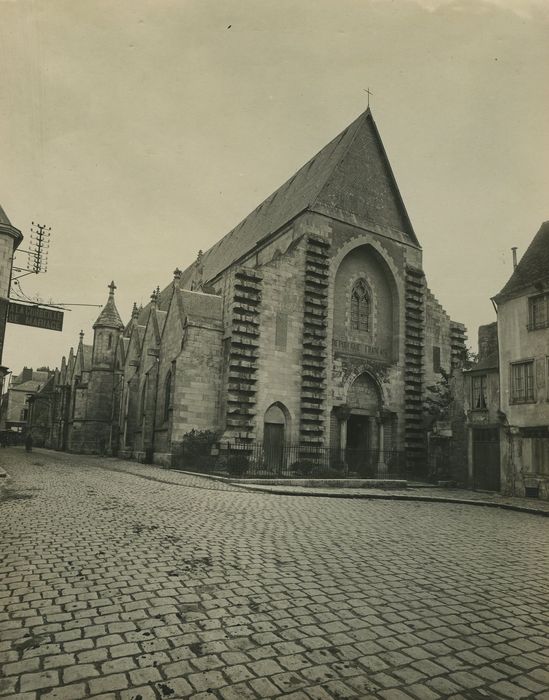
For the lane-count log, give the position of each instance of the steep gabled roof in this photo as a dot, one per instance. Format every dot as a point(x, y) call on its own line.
point(349, 178)
point(533, 267)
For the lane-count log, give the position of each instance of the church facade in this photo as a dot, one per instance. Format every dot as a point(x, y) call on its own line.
point(309, 324)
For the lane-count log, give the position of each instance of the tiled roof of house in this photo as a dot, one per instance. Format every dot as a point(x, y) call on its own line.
point(30, 387)
point(533, 266)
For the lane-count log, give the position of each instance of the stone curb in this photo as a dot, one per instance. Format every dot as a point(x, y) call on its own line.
point(310, 483)
point(385, 495)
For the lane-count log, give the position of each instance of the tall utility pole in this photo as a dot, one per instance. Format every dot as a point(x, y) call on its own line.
point(38, 249)
point(10, 238)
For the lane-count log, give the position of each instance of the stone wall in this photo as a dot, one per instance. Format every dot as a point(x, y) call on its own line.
point(197, 379)
point(279, 365)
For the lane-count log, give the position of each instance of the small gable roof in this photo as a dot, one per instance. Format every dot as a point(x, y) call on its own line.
point(533, 266)
point(135, 341)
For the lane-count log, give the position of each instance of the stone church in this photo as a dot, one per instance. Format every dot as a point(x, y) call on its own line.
point(308, 324)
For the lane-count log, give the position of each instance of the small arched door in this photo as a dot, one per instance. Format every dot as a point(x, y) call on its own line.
point(273, 436)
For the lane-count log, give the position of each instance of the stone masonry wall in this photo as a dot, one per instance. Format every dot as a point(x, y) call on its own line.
point(198, 377)
point(280, 340)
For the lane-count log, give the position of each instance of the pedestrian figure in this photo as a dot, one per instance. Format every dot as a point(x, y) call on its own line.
point(28, 443)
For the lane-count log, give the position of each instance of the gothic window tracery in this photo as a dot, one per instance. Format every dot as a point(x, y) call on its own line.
point(360, 306)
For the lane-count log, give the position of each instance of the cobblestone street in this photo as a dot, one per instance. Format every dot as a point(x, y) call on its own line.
point(117, 585)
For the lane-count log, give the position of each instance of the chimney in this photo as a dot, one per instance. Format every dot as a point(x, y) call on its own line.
point(514, 249)
point(487, 340)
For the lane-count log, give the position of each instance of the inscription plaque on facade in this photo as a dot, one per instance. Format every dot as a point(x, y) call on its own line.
point(36, 316)
point(347, 347)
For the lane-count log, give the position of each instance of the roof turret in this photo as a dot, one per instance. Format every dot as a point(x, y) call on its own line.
point(109, 317)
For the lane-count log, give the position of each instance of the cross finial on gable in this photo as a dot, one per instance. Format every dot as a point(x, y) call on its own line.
point(367, 91)
point(112, 287)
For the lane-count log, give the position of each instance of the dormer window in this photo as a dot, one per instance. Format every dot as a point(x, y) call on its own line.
point(360, 307)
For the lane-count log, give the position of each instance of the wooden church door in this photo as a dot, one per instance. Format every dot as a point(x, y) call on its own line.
point(274, 444)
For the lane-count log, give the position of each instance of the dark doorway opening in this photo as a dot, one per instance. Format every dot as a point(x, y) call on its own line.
point(357, 432)
point(358, 455)
point(486, 459)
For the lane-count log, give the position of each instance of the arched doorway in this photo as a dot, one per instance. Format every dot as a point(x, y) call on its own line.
point(274, 429)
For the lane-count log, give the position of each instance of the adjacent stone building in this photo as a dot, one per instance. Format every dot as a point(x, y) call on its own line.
point(308, 324)
point(14, 406)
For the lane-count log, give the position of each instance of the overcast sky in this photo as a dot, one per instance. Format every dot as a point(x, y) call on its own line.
point(141, 131)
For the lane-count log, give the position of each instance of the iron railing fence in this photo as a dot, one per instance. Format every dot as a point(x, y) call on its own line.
point(261, 460)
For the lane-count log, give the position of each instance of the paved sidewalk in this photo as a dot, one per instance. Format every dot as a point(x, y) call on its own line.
point(413, 492)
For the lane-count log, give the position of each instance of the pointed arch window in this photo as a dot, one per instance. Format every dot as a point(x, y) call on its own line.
point(360, 307)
